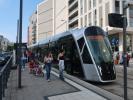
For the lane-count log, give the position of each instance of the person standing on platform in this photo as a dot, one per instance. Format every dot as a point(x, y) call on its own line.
point(23, 61)
point(61, 64)
point(117, 58)
point(48, 62)
point(128, 58)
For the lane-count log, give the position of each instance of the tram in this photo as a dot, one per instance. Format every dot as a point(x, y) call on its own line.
point(88, 53)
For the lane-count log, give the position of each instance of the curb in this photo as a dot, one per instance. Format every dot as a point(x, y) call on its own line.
point(97, 90)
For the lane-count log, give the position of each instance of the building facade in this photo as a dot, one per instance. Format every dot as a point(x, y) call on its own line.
point(73, 14)
point(60, 16)
point(56, 16)
point(32, 33)
point(84, 13)
point(44, 19)
point(52, 18)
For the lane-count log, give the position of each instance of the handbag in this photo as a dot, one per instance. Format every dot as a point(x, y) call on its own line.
point(43, 66)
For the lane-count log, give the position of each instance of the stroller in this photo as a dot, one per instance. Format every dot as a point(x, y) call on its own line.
point(38, 71)
point(35, 68)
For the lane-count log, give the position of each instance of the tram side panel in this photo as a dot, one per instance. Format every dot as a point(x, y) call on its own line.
point(72, 60)
point(90, 71)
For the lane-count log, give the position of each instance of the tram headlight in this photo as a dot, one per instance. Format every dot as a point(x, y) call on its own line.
point(100, 69)
point(114, 69)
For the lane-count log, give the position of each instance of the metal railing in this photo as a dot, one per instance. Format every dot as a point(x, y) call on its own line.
point(4, 75)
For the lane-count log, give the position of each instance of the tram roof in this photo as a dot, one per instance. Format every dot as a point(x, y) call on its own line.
point(77, 33)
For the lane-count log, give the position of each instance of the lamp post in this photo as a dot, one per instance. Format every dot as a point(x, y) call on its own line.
point(20, 43)
point(125, 57)
point(126, 5)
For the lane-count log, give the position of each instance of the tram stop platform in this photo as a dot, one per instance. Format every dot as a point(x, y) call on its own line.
point(38, 88)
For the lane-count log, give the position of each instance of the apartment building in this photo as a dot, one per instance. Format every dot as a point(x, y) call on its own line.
point(60, 16)
point(73, 14)
point(44, 19)
point(32, 29)
point(56, 16)
point(84, 13)
point(52, 18)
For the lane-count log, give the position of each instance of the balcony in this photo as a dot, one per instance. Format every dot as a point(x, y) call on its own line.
point(73, 7)
point(72, 3)
point(73, 12)
point(73, 25)
point(73, 20)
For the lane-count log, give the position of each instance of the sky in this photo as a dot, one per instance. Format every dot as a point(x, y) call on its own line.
point(9, 14)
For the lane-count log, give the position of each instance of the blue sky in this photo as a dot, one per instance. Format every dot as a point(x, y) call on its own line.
point(9, 13)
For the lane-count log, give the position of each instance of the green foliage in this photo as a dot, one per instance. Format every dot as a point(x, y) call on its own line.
point(10, 48)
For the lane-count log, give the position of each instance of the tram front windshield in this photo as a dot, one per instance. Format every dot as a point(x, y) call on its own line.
point(100, 48)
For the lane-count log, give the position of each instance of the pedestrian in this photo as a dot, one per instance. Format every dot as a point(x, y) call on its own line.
point(61, 64)
point(117, 58)
point(23, 61)
point(122, 58)
point(28, 52)
point(48, 62)
point(128, 58)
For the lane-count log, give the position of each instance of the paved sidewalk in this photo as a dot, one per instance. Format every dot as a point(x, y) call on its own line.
point(37, 88)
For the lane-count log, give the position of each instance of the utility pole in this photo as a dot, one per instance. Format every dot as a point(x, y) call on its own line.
point(125, 57)
point(126, 5)
point(120, 21)
point(20, 43)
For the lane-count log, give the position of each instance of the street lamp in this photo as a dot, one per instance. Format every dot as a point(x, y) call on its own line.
point(126, 5)
point(65, 21)
point(120, 21)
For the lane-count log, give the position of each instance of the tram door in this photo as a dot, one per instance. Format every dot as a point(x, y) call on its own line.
point(72, 60)
point(88, 66)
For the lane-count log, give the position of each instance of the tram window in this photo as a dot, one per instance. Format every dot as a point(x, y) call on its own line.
point(86, 56)
point(81, 43)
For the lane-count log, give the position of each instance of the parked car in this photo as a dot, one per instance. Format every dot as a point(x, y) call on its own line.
point(3, 59)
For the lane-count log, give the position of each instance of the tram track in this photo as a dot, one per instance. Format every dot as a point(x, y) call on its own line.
point(117, 86)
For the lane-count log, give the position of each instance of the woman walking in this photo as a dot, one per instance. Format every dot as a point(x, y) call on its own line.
point(48, 62)
point(61, 64)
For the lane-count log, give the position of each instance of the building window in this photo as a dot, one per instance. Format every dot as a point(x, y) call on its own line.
point(100, 17)
point(131, 16)
point(117, 6)
point(95, 17)
point(89, 4)
point(94, 3)
point(81, 22)
point(114, 41)
point(106, 13)
point(81, 7)
point(85, 20)
point(89, 19)
point(85, 6)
